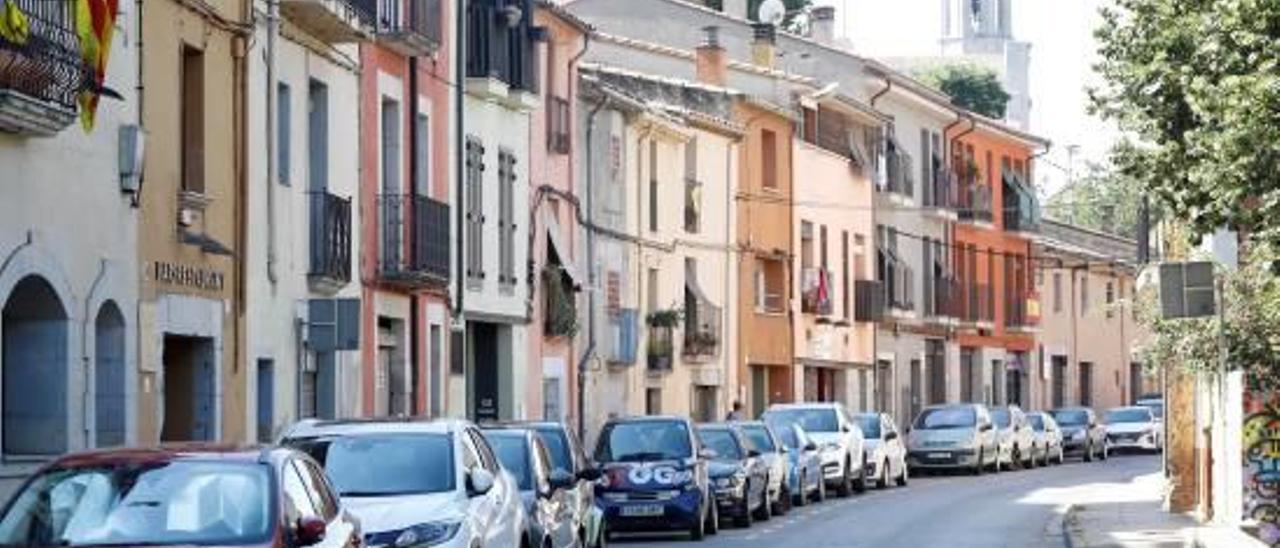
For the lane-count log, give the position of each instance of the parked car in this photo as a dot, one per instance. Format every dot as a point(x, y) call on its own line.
point(739, 477)
point(179, 496)
point(567, 454)
point(804, 477)
point(417, 482)
point(1133, 428)
point(953, 436)
point(654, 477)
point(886, 455)
point(762, 438)
point(1048, 436)
point(1081, 432)
point(544, 491)
point(839, 441)
point(1157, 414)
point(1018, 447)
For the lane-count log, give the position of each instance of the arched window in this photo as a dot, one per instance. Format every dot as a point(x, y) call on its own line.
point(109, 376)
point(34, 370)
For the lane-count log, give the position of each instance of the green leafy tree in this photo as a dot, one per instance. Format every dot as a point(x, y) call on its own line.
point(1195, 85)
point(1102, 199)
point(791, 23)
point(970, 86)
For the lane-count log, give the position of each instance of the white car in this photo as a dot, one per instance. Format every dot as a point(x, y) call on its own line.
point(1018, 446)
point(886, 455)
point(1133, 428)
point(1048, 437)
point(838, 437)
point(417, 483)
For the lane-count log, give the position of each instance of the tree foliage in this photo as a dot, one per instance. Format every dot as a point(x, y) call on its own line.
point(970, 86)
point(1195, 85)
point(793, 22)
point(1102, 199)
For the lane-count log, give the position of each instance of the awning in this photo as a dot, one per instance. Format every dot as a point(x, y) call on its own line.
point(556, 240)
point(691, 283)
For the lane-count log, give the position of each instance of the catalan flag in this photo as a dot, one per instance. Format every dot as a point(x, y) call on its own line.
point(95, 21)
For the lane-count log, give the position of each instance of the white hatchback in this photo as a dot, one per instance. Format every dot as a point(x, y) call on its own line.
point(417, 483)
point(1133, 428)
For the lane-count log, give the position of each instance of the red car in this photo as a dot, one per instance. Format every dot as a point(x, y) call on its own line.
point(204, 494)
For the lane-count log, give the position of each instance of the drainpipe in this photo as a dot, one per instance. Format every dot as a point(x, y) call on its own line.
point(415, 350)
point(459, 344)
point(85, 415)
point(888, 85)
point(591, 269)
point(273, 30)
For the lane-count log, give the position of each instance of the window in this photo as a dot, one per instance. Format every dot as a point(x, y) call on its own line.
point(192, 120)
point(557, 122)
point(653, 401)
point(422, 155)
point(265, 400)
point(692, 189)
point(506, 219)
point(391, 150)
point(1086, 384)
point(769, 158)
point(822, 245)
point(475, 211)
point(845, 296)
point(487, 457)
point(1084, 294)
point(297, 502)
point(284, 133)
point(1111, 297)
point(316, 484)
point(770, 285)
point(317, 136)
point(1057, 292)
point(652, 285)
point(653, 186)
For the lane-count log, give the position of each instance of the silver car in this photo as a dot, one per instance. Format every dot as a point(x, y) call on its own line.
point(764, 440)
point(1048, 436)
point(1017, 442)
point(953, 436)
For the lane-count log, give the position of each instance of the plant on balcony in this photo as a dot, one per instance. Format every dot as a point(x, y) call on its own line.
point(665, 318)
point(660, 349)
point(701, 342)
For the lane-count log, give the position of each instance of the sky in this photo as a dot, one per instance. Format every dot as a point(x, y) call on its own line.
point(1062, 52)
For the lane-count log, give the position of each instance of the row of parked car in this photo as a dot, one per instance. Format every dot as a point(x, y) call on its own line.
point(416, 483)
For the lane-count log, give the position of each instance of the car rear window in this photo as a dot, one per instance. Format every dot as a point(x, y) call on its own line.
point(1000, 417)
point(1037, 422)
point(788, 436)
point(941, 418)
point(722, 442)
point(558, 447)
point(513, 453)
point(759, 438)
point(1070, 417)
point(870, 425)
point(645, 440)
point(406, 464)
point(811, 420)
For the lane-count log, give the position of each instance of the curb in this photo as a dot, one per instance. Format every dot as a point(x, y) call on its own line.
point(1072, 533)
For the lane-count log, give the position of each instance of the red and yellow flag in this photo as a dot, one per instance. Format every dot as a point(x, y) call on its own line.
point(95, 21)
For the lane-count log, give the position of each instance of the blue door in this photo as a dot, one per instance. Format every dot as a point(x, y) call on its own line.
point(204, 394)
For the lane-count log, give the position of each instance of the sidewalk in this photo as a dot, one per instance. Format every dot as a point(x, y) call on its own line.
point(1134, 518)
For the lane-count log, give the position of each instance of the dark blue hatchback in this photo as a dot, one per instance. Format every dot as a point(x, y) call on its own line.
point(652, 477)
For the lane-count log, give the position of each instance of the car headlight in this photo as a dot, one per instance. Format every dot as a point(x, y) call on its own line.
point(427, 534)
point(831, 446)
point(1078, 435)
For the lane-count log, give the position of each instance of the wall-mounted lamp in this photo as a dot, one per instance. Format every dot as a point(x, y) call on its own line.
point(132, 146)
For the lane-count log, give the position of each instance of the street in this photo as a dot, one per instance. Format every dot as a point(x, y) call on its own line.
point(1015, 509)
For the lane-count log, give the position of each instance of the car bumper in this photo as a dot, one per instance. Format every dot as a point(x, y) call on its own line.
point(942, 458)
point(832, 466)
point(729, 500)
point(1147, 442)
point(680, 512)
point(1073, 447)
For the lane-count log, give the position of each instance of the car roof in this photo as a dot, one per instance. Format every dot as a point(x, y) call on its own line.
point(954, 405)
point(1130, 408)
point(716, 426)
point(171, 453)
point(647, 418)
point(805, 405)
point(1060, 409)
point(355, 427)
point(507, 432)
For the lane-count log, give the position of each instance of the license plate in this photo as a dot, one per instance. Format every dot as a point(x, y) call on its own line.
point(939, 455)
point(641, 510)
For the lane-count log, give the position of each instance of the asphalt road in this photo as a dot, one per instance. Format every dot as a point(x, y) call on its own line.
point(1014, 509)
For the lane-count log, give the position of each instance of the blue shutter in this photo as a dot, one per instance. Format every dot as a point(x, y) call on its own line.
point(318, 137)
point(284, 133)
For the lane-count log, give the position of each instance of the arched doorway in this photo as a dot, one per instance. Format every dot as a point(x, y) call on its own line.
point(109, 373)
point(33, 370)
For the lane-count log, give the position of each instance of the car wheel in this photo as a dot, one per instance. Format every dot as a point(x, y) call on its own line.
point(902, 478)
point(846, 483)
point(698, 530)
point(882, 482)
point(744, 511)
point(713, 524)
point(822, 489)
point(802, 496)
point(979, 466)
point(860, 485)
point(784, 499)
point(1088, 452)
point(765, 512)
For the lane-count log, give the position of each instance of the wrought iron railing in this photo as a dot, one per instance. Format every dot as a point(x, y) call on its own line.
point(413, 238)
point(945, 302)
point(979, 304)
point(330, 237)
point(420, 17)
point(43, 61)
point(702, 331)
point(975, 203)
point(500, 43)
point(660, 349)
point(941, 191)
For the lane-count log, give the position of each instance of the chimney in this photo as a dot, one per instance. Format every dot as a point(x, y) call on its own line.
point(823, 26)
point(735, 8)
point(712, 64)
point(764, 43)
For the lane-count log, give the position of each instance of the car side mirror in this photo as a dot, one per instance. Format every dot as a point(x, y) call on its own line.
point(561, 479)
point(309, 531)
point(986, 427)
point(707, 453)
point(890, 436)
point(752, 453)
point(479, 481)
point(846, 429)
point(810, 446)
point(589, 474)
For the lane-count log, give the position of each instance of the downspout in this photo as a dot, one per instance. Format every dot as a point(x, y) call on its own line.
point(84, 354)
point(729, 265)
point(949, 229)
point(1074, 313)
point(273, 31)
point(888, 85)
point(458, 347)
point(415, 347)
point(591, 268)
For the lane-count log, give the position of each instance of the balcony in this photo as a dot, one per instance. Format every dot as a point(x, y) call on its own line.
point(979, 305)
point(702, 331)
point(1021, 207)
point(939, 194)
point(815, 291)
point(410, 27)
point(41, 73)
point(868, 301)
point(974, 203)
point(413, 241)
point(660, 349)
point(900, 177)
point(899, 284)
point(334, 21)
point(945, 302)
point(330, 267)
point(501, 64)
point(1021, 314)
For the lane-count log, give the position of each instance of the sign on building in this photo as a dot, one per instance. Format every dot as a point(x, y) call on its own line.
point(1187, 290)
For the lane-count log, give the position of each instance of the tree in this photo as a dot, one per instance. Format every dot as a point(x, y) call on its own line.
point(793, 21)
point(1195, 85)
point(970, 86)
point(1102, 199)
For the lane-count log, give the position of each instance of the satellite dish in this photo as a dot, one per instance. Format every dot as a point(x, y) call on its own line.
point(772, 12)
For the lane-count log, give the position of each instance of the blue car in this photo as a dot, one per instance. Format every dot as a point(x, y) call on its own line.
point(653, 477)
point(805, 476)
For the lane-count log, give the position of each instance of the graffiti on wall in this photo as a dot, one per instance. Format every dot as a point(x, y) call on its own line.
point(1262, 463)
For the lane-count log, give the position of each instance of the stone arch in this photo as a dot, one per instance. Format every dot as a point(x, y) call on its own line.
point(110, 376)
point(35, 333)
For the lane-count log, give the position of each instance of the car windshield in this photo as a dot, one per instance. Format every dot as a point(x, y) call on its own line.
point(513, 453)
point(811, 420)
point(788, 436)
point(722, 442)
point(942, 418)
point(1072, 417)
point(406, 464)
point(1000, 417)
point(870, 425)
point(759, 438)
point(1037, 422)
point(557, 443)
point(644, 441)
point(1133, 414)
point(1157, 410)
point(181, 502)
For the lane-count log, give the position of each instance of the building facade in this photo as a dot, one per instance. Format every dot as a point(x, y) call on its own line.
point(68, 245)
point(981, 32)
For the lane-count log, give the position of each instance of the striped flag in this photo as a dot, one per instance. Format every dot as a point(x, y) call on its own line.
point(95, 21)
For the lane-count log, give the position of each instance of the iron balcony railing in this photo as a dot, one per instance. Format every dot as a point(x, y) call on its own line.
point(43, 61)
point(940, 192)
point(945, 302)
point(330, 238)
point(975, 203)
point(815, 291)
point(660, 348)
point(702, 330)
point(900, 178)
point(420, 18)
point(979, 304)
point(1016, 314)
point(868, 300)
point(413, 239)
point(899, 284)
point(500, 42)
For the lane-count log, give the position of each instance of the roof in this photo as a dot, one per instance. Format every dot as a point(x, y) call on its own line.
point(996, 126)
point(166, 453)
point(310, 428)
point(1069, 239)
point(564, 15)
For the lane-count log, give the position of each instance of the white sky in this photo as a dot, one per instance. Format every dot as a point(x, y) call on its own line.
point(1062, 53)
